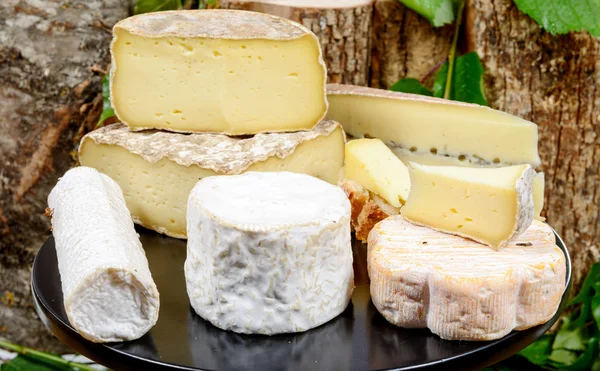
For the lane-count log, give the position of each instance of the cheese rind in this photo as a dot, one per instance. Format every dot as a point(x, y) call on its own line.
point(157, 170)
point(426, 124)
point(459, 289)
point(108, 291)
point(268, 253)
point(226, 71)
point(491, 206)
point(538, 195)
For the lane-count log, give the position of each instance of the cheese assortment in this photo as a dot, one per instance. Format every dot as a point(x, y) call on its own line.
point(108, 291)
point(268, 253)
point(230, 72)
point(462, 290)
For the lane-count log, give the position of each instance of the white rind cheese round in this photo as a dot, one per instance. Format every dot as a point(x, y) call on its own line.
point(108, 291)
point(462, 290)
point(268, 253)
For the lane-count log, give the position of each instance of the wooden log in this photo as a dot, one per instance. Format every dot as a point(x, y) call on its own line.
point(405, 44)
point(51, 57)
point(554, 81)
point(342, 26)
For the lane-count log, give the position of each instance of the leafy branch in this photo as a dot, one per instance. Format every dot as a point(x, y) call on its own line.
point(31, 359)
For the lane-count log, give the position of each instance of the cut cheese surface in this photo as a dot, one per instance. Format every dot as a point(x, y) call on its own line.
point(459, 289)
point(538, 195)
point(370, 163)
point(109, 294)
point(268, 253)
point(431, 125)
point(223, 71)
point(491, 206)
point(157, 170)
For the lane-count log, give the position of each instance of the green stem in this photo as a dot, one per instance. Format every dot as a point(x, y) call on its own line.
point(35, 354)
point(452, 54)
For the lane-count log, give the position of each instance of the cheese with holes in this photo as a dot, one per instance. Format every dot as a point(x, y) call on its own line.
point(108, 291)
point(425, 124)
point(372, 165)
point(157, 170)
point(538, 195)
point(491, 206)
point(459, 289)
point(268, 253)
point(223, 71)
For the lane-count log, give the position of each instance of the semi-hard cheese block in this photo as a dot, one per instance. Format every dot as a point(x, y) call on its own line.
point(224, 71)
point(157, 170)
point(459, 289)
point(491, 206)
point(430, 125)
point(370, 163)
point(108, 291)
point(268, 253)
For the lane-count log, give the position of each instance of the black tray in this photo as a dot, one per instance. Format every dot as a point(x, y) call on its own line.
point(359, 339)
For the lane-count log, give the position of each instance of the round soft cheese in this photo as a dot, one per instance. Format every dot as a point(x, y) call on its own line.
point(108, 291)
point(268, 253)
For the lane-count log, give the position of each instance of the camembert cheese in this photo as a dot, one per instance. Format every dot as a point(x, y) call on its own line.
point(157, 170)
point(462, 290)
point(225, 71)
point(268, 253)
point(491, 206)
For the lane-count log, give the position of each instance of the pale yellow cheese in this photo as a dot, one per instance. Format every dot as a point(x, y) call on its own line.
point(538, 195)
point(431, 125)
point(157, 170)
point(370, 163)
point(489, 205)
point(224, 71)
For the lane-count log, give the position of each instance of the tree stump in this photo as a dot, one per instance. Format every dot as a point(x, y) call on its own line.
point(554, 81)
point(342, 26)
point(51, 57)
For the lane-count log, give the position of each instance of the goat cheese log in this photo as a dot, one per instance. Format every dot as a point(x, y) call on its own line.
point(108, 291)
point(268, 253)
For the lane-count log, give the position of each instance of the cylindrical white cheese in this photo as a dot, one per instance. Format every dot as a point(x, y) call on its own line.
point(268, 253)
point(108, 291)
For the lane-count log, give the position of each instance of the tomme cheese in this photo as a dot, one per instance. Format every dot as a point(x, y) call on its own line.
point(108, 291)
point(462, 290)
point(268, 253)
point(425, 124)
point(224, 71)
point(370, 163)
point(157, 170)
point(491, 206)
point(538, 195)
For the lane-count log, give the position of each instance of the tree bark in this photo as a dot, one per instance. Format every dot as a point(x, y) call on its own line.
point(343, 28)
point(405, 44)
point(52, 54)
point(554, 81)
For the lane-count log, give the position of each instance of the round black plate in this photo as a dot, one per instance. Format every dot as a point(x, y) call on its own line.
point(359, 339)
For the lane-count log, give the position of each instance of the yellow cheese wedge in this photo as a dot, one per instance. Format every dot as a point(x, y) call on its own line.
point(431, 125)
point(157, 170)
point(538, 195)
point(370, 163)
point(225, 71)
point(491, 206)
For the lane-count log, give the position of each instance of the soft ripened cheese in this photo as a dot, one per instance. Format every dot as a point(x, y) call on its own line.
point(268, 253)
point(157, 170)
point(223, 71)
point(462, 290)
point(425, 124)
point(491, 206)
point(108, 291)
point(538, 195)
point(370, 163)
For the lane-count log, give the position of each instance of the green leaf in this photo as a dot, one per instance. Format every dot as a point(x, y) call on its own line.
point(412, 86)
point(107, 110)
point(563, 357)
point(467, 80)
point(440, 81)
point(575, 339)
point(562, 16)
point(596, 365)
point(596, 309)
point(588, 285)
point(538, 352)
point(22, 363)
point(438, 12)
point(149, 6)
point(587, 359)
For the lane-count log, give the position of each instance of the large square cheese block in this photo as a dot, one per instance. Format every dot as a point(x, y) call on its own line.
point(223, 71)
point(157, 170)
point(489, 205)
point(430, 125)
point(462, 290)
